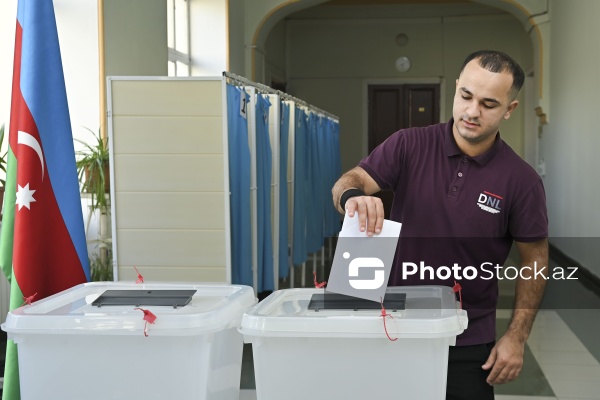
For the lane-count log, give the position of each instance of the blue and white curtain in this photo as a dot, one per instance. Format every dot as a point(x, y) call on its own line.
point(301, 195)
point(263, 184)
point(317, 167)
point(239, 186)
point(284, 265)
point(335, 171)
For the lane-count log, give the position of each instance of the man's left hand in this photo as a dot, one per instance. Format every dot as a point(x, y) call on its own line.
point(505, 360)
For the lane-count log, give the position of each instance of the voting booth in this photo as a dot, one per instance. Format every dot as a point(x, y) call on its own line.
point(308, 345)
point(211, 183)
point(116, 340)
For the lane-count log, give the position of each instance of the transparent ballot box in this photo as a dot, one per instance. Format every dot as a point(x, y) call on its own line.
point(113, 340)
point(311, 344)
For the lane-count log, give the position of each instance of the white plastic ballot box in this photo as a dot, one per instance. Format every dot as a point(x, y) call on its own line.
point(310, 344)
point(89, 342)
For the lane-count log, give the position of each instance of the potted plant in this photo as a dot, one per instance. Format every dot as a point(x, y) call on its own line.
point(92, 163)
point(93, 171)
point(101, 265)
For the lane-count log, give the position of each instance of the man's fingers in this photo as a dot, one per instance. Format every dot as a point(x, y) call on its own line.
point(489, 363)
point(370, 213)
point(380, 217)
point(362, 213)
point(505, 361)
point(503, 371)
point(504, 374)
point(351, 207)
point(376, 215)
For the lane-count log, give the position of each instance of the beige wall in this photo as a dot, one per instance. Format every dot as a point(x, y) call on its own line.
point(570, 142)
point(135, 37)
point(236, 36)
point(331, 52)
point(275, 53)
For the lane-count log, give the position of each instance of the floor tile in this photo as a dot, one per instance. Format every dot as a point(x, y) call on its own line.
point(507, 397)
point(555, 331)
point(247, 394)
point(586, 326)
point(584, 390)
point(574, 398)
point(563, 358)
point(570, 344)
point(572, 372)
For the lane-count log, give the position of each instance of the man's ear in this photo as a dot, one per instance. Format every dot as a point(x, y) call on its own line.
point(511, 108)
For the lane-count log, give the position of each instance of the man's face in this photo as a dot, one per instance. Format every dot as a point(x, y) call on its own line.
point(482, 100)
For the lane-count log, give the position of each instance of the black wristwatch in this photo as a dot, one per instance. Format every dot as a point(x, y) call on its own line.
point(349, 193)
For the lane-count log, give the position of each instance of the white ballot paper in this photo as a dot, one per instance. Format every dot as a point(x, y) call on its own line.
point(362, 264)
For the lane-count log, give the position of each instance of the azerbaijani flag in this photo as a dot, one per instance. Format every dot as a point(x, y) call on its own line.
point(42, 244)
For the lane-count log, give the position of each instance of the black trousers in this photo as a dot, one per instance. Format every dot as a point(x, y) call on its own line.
point(466, 379)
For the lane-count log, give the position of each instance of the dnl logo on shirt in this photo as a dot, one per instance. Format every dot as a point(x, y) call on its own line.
point(489, 202)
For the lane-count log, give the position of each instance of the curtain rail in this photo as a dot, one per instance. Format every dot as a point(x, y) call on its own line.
point(266, 89)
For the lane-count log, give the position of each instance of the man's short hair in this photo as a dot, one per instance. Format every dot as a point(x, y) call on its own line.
point(496, 61)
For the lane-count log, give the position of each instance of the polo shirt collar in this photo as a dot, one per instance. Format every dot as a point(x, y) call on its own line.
point(453, 150)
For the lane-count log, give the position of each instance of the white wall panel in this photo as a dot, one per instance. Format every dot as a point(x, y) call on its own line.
point(146, 134)
point(169, 273)
point(170, 211)
point(170, 186)
point(169, 172)
point(177, 247)
point(167, 97)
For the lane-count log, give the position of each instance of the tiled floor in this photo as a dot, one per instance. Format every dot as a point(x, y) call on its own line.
point(572, 372)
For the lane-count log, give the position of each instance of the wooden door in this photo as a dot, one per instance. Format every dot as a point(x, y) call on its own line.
point(395, 107)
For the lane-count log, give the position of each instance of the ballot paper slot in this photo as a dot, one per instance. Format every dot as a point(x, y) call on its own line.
point(169, 298)
point(335, 301)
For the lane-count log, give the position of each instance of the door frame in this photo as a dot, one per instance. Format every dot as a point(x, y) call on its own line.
point(396, 81)
point(530, 121)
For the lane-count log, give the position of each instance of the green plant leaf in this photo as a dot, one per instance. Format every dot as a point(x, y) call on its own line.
point(92, 165)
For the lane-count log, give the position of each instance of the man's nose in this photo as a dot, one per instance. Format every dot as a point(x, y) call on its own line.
point(473, 110)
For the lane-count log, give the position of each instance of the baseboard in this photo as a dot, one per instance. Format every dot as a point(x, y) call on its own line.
point(585, 276)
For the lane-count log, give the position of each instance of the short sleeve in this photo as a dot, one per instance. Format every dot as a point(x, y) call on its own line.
point(384, 164)
point(528, 219)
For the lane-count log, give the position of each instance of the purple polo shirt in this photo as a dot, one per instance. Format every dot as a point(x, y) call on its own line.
point(457, 209)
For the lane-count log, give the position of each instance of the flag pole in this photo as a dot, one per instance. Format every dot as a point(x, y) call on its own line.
point(102, 77)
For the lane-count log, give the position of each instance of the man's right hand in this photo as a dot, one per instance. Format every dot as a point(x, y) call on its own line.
point(370, 213)
point(369, 209)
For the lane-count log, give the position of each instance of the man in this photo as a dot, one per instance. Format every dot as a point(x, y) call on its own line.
point(463, 196)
